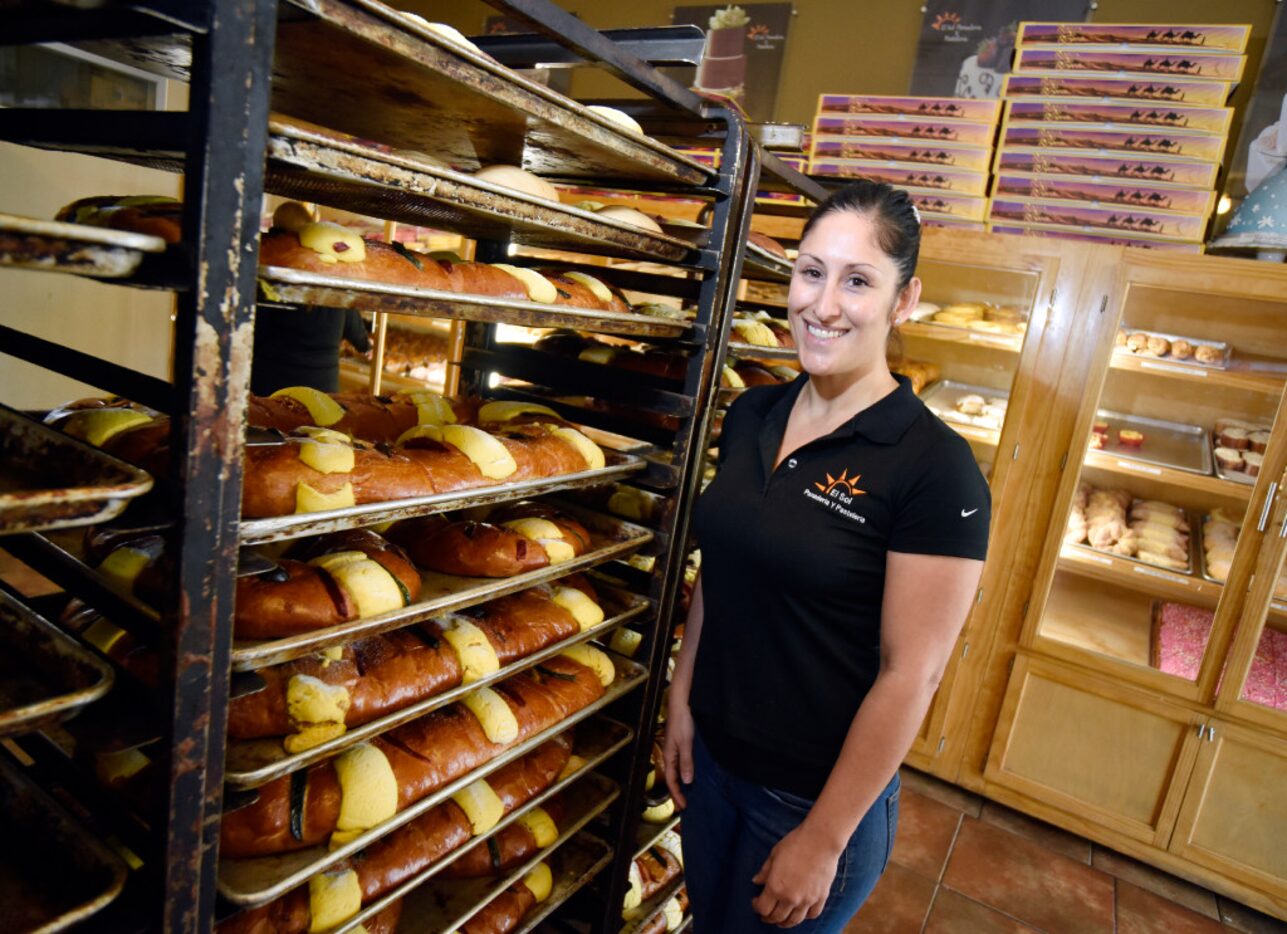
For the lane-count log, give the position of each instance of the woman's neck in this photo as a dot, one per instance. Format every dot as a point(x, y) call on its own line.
point(839, 397)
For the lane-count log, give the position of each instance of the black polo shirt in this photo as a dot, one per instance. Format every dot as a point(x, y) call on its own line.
point(793, 571)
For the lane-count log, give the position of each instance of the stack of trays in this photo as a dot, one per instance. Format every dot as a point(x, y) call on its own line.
point(1115, 133)
point(936, 148)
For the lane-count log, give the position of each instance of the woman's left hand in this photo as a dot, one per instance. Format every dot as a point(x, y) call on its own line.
point(797, 879)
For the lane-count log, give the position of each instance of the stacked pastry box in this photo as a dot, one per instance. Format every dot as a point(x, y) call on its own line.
point(937, 148)
point(1115, 133)
point(798, 161)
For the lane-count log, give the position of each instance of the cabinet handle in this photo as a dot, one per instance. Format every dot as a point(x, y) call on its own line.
point(1268, 507)
point(1210, 734)
point(1202, 728)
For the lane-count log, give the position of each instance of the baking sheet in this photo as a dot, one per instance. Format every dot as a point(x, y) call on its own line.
point(1167, 444)
point(261, 879)
point(742, 351)
point(759, 263)
point(250, 763)
point(49, 480)
point(579, 861)
point(277, 528)
point(1221, 346)
point(54, 246)
point(315, 164)
point(1201, 552)
point(45, 675)
point(1236, 476)
point(608, 737)
point(648, 834)
point(610, 537)
point(1193, 549)
point(942, 395)
point(638, 918)
point(448, 904)
point(53, 873)
point(282, 286)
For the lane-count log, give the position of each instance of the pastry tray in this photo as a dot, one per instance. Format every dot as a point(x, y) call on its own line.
point(1166, 444)
point(759, 263)
point(1168, 360)
point(277, 528)
point(741, 351)
point(648, 834)
point(54, 246)
point(579, 860)
point(639, 917)
point(1201, 551)
point(254, 762)
point(53, 873)
point(261, 879)
point(315, 164)
point(49, 480)
point(279, 285)
point(1194, 552)
point(942, 395)
point(45, 675)
point(447, 905)
point(1235, 476)
point(610, 538)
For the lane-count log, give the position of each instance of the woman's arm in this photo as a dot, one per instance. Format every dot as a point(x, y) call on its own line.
point(927, 598)
point(678, 750)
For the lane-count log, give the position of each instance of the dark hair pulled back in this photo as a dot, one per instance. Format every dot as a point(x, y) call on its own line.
point(898, 226)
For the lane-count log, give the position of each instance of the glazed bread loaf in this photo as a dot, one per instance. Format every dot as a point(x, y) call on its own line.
point(508, 545)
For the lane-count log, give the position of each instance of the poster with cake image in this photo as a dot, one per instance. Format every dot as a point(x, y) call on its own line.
point(745, 46)
point(965, 46)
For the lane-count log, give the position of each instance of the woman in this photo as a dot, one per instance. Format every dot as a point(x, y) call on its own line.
point(842, 543)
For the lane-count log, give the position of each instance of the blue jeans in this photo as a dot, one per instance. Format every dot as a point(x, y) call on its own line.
point(729, 827)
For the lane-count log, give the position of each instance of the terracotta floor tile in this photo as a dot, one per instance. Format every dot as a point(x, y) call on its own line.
point(1141, 912)
point(1026, 881)
point(1049, 836)
point(941, 791)
point(1191, 896)
point(897, 905)
point(953, 913)
point(926, 829)
point(1239, 917)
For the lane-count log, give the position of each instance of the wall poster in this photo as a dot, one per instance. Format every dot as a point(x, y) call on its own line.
point(745, 46)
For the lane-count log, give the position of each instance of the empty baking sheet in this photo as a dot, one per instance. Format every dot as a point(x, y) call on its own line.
point(1166, 444)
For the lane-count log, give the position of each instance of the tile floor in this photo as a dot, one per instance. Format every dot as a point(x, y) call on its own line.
point(963, 865)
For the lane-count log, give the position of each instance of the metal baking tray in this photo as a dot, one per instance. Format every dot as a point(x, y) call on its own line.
point(54, 246)
point(49, 480)
point(53, 873)
point(261, 879)
point(759, 263)
point(254, 762)
point(1193, 552)
point(579, 861)
point(447, 904)
point(639, 917)
point(610, 537)
point(1222, 346)
point(648, 834)
point(1236, 476)
point(1166, 444)
point(277, 528)
point(46, 676)
point(942, 395)
point(742, 351)
point(279, 285)
point(314, 164)
point(1201, 551)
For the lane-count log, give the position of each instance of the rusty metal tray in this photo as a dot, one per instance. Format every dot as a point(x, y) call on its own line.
point(647, 835)
point(1166, 444)
point(610, 538)
point(742, 351)
point(53, 873)
point(253, 762)
point(638, 918)
point(46, 676)
point(315, 164)
point(279, 285)
point(49, 480)
point(54, 246)
point(759, 263)
point(261, 879)
point(429, 908)
point(579, 861)
point(277, 528)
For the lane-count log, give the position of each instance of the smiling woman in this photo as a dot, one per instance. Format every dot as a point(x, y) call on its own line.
point(842, 542)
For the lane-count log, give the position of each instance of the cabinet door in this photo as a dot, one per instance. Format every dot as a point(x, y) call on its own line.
point(1152, 525)
point(1093, 749)
point(1234, 815)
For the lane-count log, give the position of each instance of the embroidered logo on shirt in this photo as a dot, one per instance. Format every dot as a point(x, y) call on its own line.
point(838, 493)
point(843, 483)
point(966, 515)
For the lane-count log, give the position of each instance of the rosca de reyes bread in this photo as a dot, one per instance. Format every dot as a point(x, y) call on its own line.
point(653, 869)
point(157, 215)
point(504, 546)
point(370, 782)
point(506, 911)
point(313, 699)
point(341, 891)
point(510, 848)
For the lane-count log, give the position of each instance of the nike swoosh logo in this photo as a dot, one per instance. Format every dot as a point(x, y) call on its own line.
point(966, 515)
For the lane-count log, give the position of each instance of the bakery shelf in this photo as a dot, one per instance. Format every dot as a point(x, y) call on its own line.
point(53, 872)
point(1011, 343)
point(1235, 376)
point(1109, 621)
point(281, 286)
point(53, 246)
point(448, 905)
point(649, 834)
point(651, 908)
point(1137, 575)
point(605, 738)
point(257, 880)
point(45, 675)
point(579, 861)
point(742, 351)
point(254, 762)
point(279, 528)
point(1169, 476)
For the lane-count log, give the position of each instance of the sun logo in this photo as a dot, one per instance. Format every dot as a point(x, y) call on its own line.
point(844, 481)
point(757, 32)
point(945, 19)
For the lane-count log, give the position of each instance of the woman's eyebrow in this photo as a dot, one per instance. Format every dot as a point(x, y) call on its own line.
point(823, 262)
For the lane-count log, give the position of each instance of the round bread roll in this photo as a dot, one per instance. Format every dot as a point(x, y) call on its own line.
point(1205, 353)
point(620, 118)
point(450, 33)
point(630, 216)
point(511, 176)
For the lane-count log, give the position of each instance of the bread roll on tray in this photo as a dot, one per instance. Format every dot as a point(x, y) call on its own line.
point(511, 542)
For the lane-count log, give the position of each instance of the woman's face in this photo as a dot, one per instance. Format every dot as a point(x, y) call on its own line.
point(844, 297)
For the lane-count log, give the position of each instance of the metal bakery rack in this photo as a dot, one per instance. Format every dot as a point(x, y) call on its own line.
point(274, 108)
